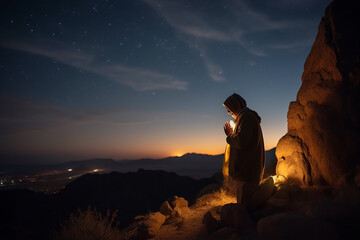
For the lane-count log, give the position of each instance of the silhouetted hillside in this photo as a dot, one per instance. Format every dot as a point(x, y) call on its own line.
point(131, 193)
point(29, 215)
point(191, 164)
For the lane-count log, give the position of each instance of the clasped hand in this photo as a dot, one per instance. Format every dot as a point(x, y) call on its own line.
point(227, 128)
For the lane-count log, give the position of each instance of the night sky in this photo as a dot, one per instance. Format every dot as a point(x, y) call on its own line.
point(133, 79)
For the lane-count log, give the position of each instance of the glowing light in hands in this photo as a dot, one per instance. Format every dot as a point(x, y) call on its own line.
point(232, 125)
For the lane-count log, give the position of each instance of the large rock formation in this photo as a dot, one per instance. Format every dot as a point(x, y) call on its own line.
point(322, 142)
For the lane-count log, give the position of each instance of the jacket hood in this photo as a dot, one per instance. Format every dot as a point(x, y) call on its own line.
point(235, 103)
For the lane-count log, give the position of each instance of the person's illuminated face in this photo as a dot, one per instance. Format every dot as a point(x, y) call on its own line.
point(230, 112)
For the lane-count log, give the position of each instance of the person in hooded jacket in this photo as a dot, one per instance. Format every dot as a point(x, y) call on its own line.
point(246, 148)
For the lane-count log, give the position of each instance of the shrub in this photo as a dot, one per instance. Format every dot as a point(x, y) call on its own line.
point(89, 225)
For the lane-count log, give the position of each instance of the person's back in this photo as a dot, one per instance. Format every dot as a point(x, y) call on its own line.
point(246, 147)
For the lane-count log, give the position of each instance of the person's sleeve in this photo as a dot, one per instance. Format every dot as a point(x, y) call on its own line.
point(240, 139)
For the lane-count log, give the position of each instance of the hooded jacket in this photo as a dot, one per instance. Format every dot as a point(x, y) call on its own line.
point(247, 153)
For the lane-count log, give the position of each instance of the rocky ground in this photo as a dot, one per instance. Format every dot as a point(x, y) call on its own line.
point(186, 223)
point(284, 211)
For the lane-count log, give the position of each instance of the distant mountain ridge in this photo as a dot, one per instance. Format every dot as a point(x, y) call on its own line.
point(191, 164)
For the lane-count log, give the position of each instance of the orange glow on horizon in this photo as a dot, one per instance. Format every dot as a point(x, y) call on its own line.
point(218, 151)
point(200, 144)
point(177, 154)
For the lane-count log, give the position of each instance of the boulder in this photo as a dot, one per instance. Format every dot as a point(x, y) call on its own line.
point(322, 140)
point(151, 225)
point(211, 224)
point(293, 164)
point(166, 209)
point(285, 226)
point(262, 194)
point(180, 202)
point(235, 215)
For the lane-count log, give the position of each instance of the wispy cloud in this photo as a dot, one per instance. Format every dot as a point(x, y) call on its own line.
point(250, 20)
point(137, 78)
point(232, 25)
point(18, 115)
point(215, 71)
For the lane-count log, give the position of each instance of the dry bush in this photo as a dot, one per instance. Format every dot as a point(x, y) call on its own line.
point(89, 225)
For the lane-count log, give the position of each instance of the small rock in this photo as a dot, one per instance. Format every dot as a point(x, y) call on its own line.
point(180, 202)
point(176, 217)
point(262, 194)
point(177, 212)
point(151, 225)
point(166, 209)
point(211, 224)
point(233, 214)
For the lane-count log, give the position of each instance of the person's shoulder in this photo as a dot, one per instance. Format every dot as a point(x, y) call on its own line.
point(247, 112)
point(251, 114)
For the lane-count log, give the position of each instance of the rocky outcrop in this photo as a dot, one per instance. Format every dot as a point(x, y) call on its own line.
point(322, 142)
point(147, 226)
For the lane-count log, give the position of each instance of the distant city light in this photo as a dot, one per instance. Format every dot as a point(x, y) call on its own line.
point(70, 170)
point(70, 177)
point(95, 170)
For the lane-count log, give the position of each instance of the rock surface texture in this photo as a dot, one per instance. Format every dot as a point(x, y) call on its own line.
point(151, 225)
point(322, 142)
